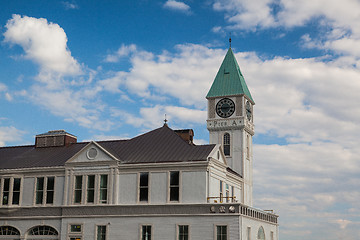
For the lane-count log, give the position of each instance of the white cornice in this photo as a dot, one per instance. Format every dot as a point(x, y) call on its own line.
point(33, 170)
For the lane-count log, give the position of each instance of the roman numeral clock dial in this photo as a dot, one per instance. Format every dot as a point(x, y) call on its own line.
point(225, 108)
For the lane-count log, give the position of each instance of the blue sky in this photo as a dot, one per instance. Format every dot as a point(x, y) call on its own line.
point(112, 69)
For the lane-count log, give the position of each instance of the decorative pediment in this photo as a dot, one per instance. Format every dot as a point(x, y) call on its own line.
point(92, 152)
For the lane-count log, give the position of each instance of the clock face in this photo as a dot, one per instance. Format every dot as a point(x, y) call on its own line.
point(248, 110)
point(225, 108)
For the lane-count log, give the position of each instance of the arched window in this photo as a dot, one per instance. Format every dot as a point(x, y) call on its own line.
point(227, 144)
point(9, 230)
point(261, 234)
point(41, 231)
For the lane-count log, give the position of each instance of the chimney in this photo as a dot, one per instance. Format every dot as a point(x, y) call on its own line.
point(56, 138)
point(186, 134)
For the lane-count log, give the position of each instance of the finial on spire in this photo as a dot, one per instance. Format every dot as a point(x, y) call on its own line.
point(165, 121)
point(230, 40)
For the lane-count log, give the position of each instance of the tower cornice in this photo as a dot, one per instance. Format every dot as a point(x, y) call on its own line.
point(229, 96)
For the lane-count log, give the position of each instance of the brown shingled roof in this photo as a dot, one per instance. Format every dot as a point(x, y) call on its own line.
point(30, 156)
point(159, 145)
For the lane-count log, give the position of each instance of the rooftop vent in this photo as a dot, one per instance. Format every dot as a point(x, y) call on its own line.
point(56, 138)
point(186, 134)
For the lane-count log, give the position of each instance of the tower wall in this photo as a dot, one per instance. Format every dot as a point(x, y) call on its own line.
point(240, 129)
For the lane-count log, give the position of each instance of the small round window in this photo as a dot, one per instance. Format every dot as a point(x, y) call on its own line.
point(92, 153)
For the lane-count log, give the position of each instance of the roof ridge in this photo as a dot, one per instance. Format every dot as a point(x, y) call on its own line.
point(145, 133)
point(112, 140)
point(18, 146)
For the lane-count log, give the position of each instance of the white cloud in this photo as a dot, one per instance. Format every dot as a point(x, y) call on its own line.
point(102, 137)
point(43, 42)
point(153, 117)
point(343, 223)
point(218, 29)
point(181, 114)
point(192, 70)
point(9, 134)
point(69, 5)
point(309, 186)
point(341, 17)
point(177, 5)
point(8, 97)
point(123, 51)
point(3, 87)
point(341, 14)
point(200, 141)
point(345, 45)
point(63, 89)
point(302, 99)
point(246, 14)
point(80, 106)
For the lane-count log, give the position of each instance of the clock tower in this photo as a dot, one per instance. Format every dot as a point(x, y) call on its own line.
point(230, 120)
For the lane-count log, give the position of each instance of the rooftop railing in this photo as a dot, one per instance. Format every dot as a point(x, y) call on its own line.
point(265, 215)
point(222, 199)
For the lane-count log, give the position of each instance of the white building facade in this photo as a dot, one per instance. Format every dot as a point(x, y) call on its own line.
point(158, 185)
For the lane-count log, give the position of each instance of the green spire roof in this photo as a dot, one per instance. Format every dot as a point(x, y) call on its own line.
point(229, 80)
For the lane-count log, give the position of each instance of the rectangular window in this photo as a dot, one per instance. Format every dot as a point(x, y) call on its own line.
point(183, 232)
point(174, 186)
point(39, 190)
point(144, 187)
point(101, 232)
point(75, 232)
point(221, 191)
point(227, 193)
point(90, 192)
point(6, 191)
point(271, 235)
point(146, 232)
point(10, 191)
point(41, 194)
point(247, 147)
point(103, 188)
point(75, 228)
point(50, 188)
point(221, 232)
point(249, 233)
point(16, 191)
point(232, 194)
point(78, 189)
